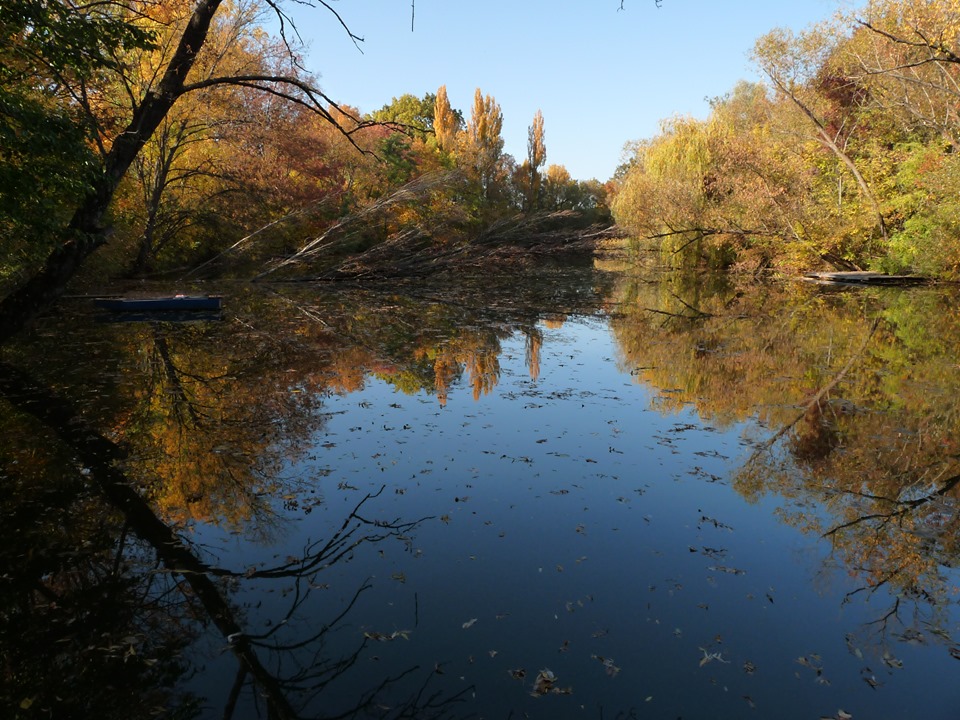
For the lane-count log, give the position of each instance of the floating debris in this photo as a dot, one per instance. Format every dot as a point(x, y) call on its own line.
point(546, 683)
point(381, 637)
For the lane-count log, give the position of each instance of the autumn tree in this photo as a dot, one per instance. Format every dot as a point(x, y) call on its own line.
point(800, 69)
point(447, 122)
point(484, 141)
point(120, 129)
point(536, 158)
point(49, 54)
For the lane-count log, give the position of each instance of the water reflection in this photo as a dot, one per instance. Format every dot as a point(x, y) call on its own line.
point(128, 437)
point(860, 389)
point(455, 503)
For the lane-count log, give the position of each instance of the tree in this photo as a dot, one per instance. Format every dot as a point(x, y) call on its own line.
point(414, 114)
point(536, 158)
point(46, 161)
point(484, 142)
point(447, 122)
point(794, 64)
point(121, 140)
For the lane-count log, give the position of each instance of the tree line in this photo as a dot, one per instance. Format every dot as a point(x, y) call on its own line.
point(178, 130)
point(844, 155)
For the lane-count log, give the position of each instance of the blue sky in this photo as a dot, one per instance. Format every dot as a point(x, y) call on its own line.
point(601, 76)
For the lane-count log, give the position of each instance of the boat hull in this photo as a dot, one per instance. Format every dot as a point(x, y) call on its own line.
point(175, 303)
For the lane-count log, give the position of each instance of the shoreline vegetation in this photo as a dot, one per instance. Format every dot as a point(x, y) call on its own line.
point(843, 158)
point(184, 142)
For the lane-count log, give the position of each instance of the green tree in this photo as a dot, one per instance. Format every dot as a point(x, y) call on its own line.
point(413, 113)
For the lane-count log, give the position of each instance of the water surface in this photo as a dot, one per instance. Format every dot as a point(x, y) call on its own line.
point(592, 496)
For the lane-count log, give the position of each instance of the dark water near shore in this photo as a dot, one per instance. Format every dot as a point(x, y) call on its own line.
point(586, 495)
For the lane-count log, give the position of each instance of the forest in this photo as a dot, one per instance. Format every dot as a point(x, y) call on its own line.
point(845, 154)
point(175, 139)
point(170, 136)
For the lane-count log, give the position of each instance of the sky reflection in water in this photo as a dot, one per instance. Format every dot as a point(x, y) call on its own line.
point(573, 527)
point(564, 513)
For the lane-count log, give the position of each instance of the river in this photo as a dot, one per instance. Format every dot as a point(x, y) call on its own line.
point(576, 494)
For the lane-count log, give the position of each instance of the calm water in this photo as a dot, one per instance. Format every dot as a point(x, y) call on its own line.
point(593, 496)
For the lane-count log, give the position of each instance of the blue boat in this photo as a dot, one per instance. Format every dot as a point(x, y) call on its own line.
point(168, 303)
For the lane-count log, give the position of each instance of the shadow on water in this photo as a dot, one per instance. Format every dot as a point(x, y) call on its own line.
point(588, 495)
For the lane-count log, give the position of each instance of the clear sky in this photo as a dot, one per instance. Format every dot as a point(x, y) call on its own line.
point(601, 76)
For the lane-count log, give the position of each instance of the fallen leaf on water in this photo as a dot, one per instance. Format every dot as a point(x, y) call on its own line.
point(724, 568)
point(545, 683)
point(890, 661)
point(381, 637)
point(710, 657)
point(518, 674)
point(611, 669)
point(469, 623)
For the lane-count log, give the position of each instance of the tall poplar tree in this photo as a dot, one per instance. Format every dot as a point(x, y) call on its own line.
point(445, 121)
point(536, 158)
point(485, 141)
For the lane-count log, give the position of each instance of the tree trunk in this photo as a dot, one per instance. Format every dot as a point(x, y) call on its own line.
point(86, 233)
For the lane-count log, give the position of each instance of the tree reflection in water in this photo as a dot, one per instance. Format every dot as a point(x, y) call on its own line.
point(114, 623)
point(159, 426)
point(859, 390)
point(131, 444)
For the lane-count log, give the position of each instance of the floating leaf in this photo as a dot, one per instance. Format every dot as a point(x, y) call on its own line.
point(710, 657)
point(469, 623)
point(725, 569)
point(608, 666)
point(890, 661)
point(381, 637)
point(544, 682)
